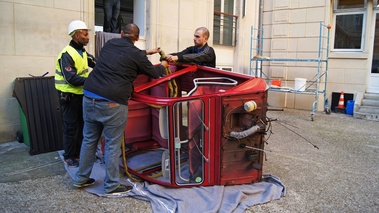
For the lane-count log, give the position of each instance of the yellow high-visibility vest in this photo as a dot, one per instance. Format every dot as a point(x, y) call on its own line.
point(81, 65)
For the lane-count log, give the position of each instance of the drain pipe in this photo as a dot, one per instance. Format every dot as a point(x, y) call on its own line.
point(260, 24)
point(178, 40)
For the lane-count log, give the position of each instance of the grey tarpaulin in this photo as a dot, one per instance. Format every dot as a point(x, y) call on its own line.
point(102, 38)
point(196, 199)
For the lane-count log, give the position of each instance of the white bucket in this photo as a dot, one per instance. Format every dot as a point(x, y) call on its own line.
point(300, 84)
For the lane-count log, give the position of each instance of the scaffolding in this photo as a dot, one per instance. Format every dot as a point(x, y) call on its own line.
point(316, 85)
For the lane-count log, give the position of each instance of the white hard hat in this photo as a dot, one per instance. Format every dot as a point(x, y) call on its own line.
point(76, 25)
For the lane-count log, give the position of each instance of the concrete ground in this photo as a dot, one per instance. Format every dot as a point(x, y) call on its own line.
point(340, 175)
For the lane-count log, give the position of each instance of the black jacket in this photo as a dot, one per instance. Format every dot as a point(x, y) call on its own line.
point(205, 56)
point(117, 67)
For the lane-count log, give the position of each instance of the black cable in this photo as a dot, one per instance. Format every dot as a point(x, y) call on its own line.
point(298, 135)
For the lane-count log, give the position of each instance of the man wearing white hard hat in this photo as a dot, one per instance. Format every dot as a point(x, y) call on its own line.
point(71, 72)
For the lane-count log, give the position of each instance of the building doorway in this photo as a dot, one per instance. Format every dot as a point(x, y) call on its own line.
point(373, 78)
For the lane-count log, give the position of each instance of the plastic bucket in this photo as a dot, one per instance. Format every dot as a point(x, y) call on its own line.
point(300, 84)
point(276, 82)
point(350, 107)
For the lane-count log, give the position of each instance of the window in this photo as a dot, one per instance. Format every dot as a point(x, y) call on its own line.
point(225, 68)
point(189, 137)
point(349, 24)
point(225, 23)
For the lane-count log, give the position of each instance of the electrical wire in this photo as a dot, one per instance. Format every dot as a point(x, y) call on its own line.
point(298, 135)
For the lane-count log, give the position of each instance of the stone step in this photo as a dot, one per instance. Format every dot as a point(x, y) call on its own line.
point(367, 106)
point(374, 96)
point(368, 109)
point(370, 102)
point(366, 116)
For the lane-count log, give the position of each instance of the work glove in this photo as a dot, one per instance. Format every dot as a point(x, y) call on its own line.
point(163, 55)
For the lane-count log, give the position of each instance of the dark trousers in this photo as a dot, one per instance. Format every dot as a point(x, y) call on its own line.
point(111, 13)
point(72, 124)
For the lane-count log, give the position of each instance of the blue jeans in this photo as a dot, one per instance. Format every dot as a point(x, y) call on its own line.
point(109, 119)
point(111, 13)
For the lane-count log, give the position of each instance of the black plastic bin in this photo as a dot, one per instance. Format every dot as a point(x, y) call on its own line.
point(38, 100)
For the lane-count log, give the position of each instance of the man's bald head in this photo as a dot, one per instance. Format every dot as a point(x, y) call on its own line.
point(130, 31)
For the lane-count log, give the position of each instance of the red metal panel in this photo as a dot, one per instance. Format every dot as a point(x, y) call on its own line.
point(238, 163)
point(138, 127)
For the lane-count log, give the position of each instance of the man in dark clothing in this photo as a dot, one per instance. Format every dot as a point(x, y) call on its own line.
point(105, 105)
point(111, 13)
point(201, 53)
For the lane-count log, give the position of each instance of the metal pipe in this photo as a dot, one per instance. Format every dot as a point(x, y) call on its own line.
point(260, 23)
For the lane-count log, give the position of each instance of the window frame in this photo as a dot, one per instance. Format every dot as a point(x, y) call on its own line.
point(350, 11)
point(375, 4)
point(223, 14)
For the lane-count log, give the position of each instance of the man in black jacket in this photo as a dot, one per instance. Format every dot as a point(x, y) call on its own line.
point(105, 105)
point(201, 53)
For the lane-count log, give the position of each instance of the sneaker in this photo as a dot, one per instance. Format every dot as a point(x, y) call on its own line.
point(121, 189)
point(72, 162)
point(89, 182)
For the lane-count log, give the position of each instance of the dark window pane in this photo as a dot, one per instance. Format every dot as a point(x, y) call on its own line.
point(216, 29)
point(228, 31)
point(228, 6)
point(217, 5)
point(348, 31)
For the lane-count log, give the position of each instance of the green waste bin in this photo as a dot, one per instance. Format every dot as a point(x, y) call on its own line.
point(23, 136)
